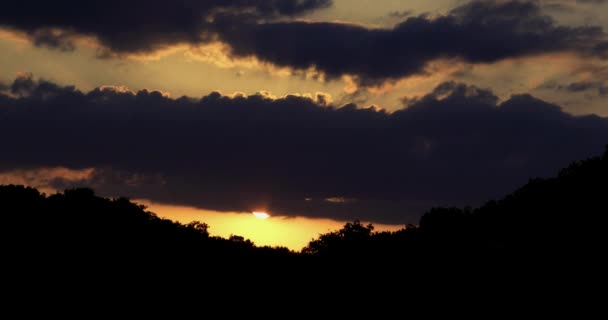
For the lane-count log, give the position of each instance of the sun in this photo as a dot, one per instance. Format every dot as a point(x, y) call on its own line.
point(261, 215)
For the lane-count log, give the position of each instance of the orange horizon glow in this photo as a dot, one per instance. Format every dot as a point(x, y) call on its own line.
point(276, 231)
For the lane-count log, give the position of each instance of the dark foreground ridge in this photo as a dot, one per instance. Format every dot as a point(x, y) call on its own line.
point(548, 229)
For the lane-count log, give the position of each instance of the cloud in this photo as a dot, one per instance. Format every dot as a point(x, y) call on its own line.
point(579, 86)
point(568, 6)
point(454, 146)
point(601, 50)
point(135, 26)
point(476, 32)
point(400, 14)
point(54, 38)
point(601, 87)
point(263, 32)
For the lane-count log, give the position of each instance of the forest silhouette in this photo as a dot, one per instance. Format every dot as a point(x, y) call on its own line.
point(548, 223)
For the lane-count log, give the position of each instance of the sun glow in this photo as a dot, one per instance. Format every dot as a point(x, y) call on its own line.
point(292, 232)
point(261, 215)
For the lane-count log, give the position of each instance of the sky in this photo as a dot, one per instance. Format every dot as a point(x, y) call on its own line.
point(315, 111)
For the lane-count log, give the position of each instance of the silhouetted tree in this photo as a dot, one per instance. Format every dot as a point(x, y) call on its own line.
point(201, 227)
point(547, 220)
point(348, 241)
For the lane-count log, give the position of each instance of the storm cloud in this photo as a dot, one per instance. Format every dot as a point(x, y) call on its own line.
point(475, 32)
point(127, 26)
point(293, 155)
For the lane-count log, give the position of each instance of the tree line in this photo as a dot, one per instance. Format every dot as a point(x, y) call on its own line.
point(549, 219)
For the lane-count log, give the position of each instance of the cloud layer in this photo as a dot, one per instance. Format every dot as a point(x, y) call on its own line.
point(475, 32)
point(293, 155)
point(124, 26)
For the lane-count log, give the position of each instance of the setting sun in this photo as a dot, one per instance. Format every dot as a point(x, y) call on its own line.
point(261, 215)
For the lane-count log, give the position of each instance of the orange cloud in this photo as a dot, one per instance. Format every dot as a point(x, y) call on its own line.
point(17, 37)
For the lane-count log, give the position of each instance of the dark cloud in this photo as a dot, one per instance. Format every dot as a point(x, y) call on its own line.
point(124, 26)
point(454, 146)
point(56, 39)
point(601, 50)
point(400, 14)
point(477, 32)
point(580, 86)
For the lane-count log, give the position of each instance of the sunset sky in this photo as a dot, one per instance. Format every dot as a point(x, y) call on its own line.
point(317, 112)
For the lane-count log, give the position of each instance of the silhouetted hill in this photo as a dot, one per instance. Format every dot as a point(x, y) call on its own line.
point(560, 215)
point(552, 224)
point(78, 227)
